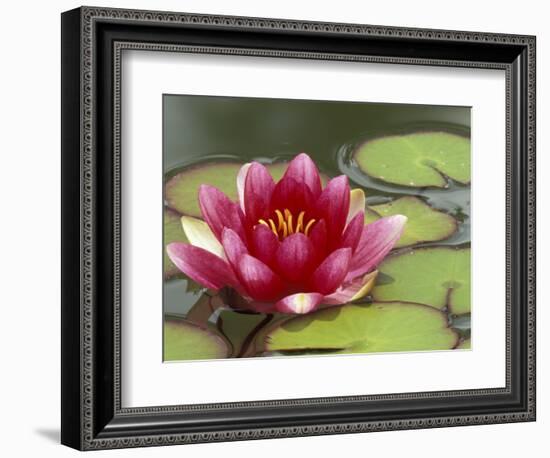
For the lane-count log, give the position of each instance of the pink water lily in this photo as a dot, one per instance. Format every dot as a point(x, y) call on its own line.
point(289, 246)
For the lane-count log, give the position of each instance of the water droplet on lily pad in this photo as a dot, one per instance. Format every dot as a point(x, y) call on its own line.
point(416, 159)
point(424, 223)
point(364, 328)
point(438, 277)
point(184, 340)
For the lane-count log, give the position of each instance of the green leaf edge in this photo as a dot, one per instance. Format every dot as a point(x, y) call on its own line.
point(265, 336)
point(407, 251)
point(169, 268)
point(371, 215)
point(442, 183)
point(210, 331)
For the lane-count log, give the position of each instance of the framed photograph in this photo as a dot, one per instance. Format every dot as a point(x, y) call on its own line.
point(276, 228)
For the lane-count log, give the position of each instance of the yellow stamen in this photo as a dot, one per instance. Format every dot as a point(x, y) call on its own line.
point(308, 226)
point(281, 219)
point(284, 224)
point(273, 228)
point(288, 217)
point(300, 222)
point(285, 230)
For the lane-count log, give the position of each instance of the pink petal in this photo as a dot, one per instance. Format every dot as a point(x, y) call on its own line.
point(258, 187)
point(333, 206)
point(299, 303)
point(219, 211)
point(261, 283)
point(332, 271)
point(241, 177)
point(353, 231)
point(353, 291)
point(233, 246)
point(318, 237)
point(293, 195)
point(376, 241)
point(264, 244)
point(202, 266)
point(303, 170)
point(295, 257)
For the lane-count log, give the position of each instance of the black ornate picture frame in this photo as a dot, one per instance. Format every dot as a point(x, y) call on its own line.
point(92, 42)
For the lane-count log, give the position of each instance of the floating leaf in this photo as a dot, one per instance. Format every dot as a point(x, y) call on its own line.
point(424, 224)
point(204, 307)
point(238, 326)
point(370, 215)
point(184, 340)
point(376, 327)
point(464, 345)
point(437, 276)
point(173, 232)
point(183, 188)
point(418, 159)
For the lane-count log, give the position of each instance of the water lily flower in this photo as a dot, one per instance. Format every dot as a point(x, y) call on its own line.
point(289, 246)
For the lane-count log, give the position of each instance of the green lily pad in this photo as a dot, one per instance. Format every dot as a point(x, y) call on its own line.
point(437, 277)
point(418, 159)
point(464, 345)
point(424, 224)
point(173, 232)
point(370, 215)
point(181, 191)
point(366, 328)
point(184, 340)
point(238, 326)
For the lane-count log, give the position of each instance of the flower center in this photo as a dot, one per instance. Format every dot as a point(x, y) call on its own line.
point(284, 223)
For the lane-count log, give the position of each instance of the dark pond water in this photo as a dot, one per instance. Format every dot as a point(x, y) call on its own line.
point(201, 128)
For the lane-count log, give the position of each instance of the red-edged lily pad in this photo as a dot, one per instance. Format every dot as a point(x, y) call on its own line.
point(181, 191)
point(184, 340)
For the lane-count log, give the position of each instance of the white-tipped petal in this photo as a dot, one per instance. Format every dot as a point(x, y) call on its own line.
point(356, 203)
point(241, 179)
point(200, 235)
point(299, 303)
point(353, 291)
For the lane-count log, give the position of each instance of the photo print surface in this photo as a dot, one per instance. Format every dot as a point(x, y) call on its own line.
point(306, 227)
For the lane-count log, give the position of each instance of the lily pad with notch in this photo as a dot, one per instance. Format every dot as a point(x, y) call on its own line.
point(424, 223)
point(184, 340)
point(438, 277)
point(416, 159)
point(364, 328)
